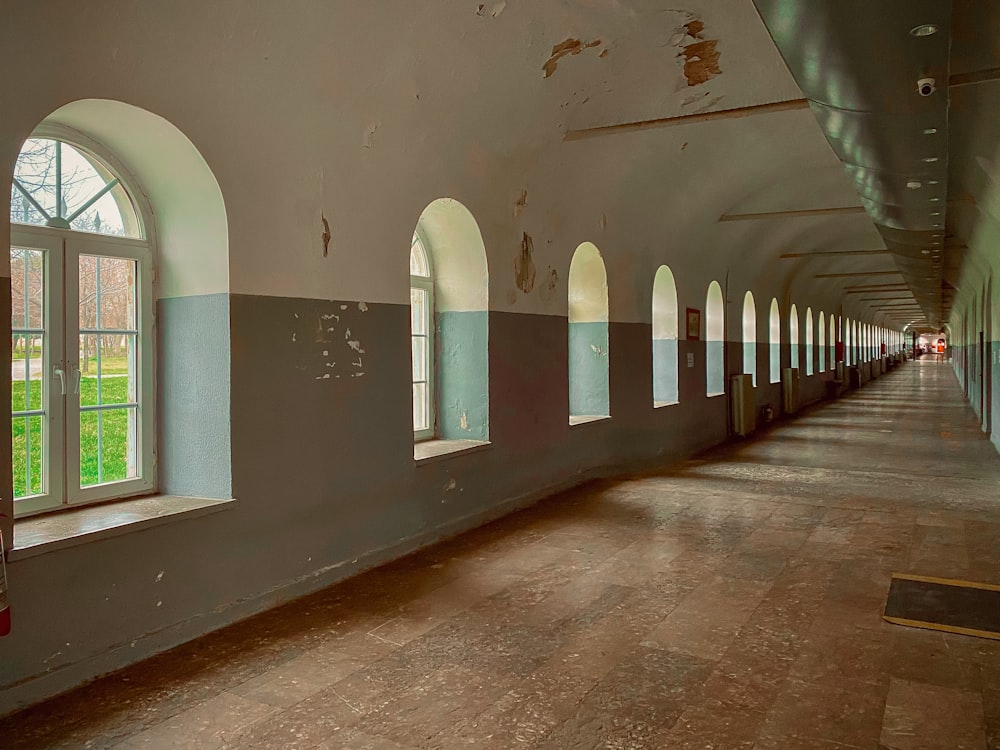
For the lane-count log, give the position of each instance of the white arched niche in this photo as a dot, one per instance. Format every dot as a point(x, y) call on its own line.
point(189, 235)
point(450, 235)
point(821, 341)
point(809, 341)
point(665, 334)
point(793, 336)
point(750, 337)
point(774, 342)
point(588, 366)
point(715, 327)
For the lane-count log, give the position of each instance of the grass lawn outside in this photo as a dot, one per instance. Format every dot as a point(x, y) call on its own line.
point(113, 427)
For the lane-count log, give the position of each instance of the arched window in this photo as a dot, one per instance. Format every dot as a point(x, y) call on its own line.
point(821, 331)
point(422, 339)
point(665, 328)
point(449, 325)
point(750, 337)
point(775, 342)
point(589, 391)
point(809, 341)
point(82, 310)
point(793, 337)
point(715, 382)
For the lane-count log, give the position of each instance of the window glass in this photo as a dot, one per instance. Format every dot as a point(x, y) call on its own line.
point(60, 185)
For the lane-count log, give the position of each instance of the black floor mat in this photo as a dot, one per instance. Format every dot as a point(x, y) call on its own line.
point(943, 604)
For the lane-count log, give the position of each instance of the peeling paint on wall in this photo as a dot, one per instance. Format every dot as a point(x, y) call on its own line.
point(711, 104)
point(332, 348)
point(701, 58)
point(689, 100)
point(520, 203)
point(567, 47)
point(524, 265)
point(370, 131)
point(548, 286)
point(326, 236)
point(495, 10)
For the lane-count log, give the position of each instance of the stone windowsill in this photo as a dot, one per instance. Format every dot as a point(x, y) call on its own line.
point(587, 419)
point(661, 404)
point(53, 531)
point(427, 451)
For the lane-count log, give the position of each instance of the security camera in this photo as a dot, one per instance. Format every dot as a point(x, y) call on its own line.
point(925, 86)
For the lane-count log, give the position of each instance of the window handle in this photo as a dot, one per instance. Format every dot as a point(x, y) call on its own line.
point(76, 381)
point(61, 374)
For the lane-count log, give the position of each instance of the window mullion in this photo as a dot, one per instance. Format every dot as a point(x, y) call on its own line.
point(71, 411)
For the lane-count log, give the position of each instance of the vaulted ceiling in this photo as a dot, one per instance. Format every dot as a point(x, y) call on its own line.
point(908, 95)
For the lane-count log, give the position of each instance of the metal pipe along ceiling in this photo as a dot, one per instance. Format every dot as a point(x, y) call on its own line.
point(858, 63)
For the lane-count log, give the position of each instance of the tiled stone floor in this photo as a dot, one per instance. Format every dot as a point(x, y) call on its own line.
point(728, 602)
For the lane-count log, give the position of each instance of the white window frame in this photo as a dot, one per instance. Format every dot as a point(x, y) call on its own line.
point(425, 284)
point(61, 456)
point(62, 248)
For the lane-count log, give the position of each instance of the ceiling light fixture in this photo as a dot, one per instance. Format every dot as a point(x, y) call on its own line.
point(935, 213)
point(924, 29)
point(929, 159)
point(932, 182)
point(913, 184)
point(925, 252)
point(930, 131)
point(935, 199)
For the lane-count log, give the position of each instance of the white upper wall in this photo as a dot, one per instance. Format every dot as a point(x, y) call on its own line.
point(364, 113)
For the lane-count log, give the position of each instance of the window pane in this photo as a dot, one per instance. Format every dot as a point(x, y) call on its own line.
point(419, 358)
point(26, 370)
point(118, 445)
point(89, 198)
point(418, 310)
point(420, 410)
point(88, 292)
point(117, 298)
point(90, 471)
point(107, 293)
point(418, 259)
point(26, 269)
point(108, 372)
point(26, 455)
point(90, 369)
point(107, 446)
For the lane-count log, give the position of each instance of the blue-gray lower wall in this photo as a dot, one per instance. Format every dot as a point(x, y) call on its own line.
point(666, 370)
point(981, 383)
point(325, 481)
point(193, 392)
point(716, 368)
point(462, 397)
point(589, 389)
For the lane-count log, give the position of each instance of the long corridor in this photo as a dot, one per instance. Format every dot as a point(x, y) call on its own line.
point(731, 601)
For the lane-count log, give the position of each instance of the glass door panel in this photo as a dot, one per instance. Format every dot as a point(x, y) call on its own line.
point(37, 372)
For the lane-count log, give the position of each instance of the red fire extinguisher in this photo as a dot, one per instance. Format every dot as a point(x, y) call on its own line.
point(4, 605)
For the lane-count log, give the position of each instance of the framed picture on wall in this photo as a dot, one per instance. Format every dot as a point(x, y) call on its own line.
point(693, 324)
